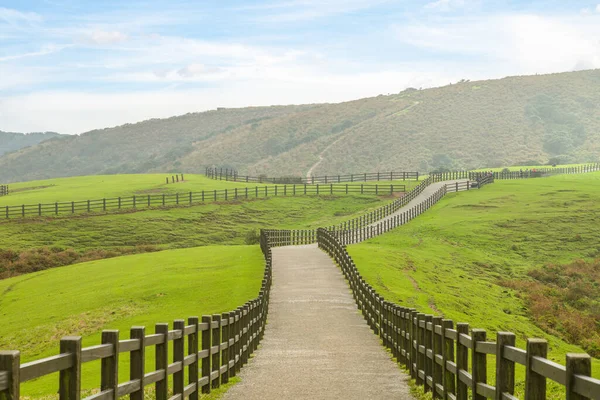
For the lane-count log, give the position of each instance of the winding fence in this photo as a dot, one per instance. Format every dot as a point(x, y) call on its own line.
point(232, 175)
point(191, 198)
point(218, 346)
point(3, 190)
point(449, 362)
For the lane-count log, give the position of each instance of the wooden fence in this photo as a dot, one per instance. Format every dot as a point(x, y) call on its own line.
point(217, 347)
point(232, 175)
point(522, 174)
point(450, 361)
point(175, 178)
point(3, 190)
point(380, 220)
point(191, 198)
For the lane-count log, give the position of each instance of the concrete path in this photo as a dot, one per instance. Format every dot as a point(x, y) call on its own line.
point(426, 193)
point(316, 344)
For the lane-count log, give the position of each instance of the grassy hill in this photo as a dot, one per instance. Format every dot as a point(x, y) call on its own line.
point(474, 256)
point(11, 141)
point(119, 293)
point(517, 120)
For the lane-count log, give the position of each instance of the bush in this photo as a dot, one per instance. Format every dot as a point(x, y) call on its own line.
point(252, 237)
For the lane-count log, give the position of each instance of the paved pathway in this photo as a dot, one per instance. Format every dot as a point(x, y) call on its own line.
point(316, 344)
point(426, 193)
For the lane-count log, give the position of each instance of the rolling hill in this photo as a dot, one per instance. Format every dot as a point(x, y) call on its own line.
point(11, 141)
point(511, 121)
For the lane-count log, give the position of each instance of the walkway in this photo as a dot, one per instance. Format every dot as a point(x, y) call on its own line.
point(316, 344)
point(425, 194)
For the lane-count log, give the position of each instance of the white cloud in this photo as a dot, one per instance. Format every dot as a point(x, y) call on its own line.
point(11, 16)
point(445, 5)
point(48, 49)
point(529, 44)
point(598, 8)
point(100, 37)
point(301, 10)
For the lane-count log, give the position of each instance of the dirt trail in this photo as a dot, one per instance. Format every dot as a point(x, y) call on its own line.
point(316, 344)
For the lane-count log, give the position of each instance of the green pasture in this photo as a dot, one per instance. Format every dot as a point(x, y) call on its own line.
point(451, 259)
point(82, 299)
point(205, 224)
point(97, 187)
point(513, 168)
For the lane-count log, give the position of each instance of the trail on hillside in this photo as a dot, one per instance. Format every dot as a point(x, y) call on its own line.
point(343, 134)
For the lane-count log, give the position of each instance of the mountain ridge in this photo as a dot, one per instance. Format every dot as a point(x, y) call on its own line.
point(509, 121)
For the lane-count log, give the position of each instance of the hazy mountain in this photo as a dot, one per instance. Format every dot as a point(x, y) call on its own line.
point(466, 125)
point(11, 141)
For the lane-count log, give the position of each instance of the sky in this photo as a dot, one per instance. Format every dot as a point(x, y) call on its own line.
point(73, 66)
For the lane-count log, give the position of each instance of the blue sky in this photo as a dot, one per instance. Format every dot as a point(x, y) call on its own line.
point(72, 66)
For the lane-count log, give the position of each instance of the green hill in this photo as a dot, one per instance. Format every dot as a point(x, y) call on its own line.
point(11, 141)
point(511, 121)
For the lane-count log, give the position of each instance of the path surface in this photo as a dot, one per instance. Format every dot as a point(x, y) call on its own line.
point(426, 193)
point(316, 344)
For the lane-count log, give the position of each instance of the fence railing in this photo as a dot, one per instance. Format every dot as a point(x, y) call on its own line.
point(191, 198)
point(217, 347)
point(450, 361)
point(3, 190)
point(175, 178)
point(522, 174)
point(227, 174)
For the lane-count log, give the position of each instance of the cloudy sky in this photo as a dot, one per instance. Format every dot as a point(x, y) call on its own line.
point(71, 66)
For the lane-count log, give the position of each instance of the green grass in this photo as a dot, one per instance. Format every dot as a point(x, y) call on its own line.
point(106, 186)
point(451, 259)
point(38, 309)
point(206, 224)
point(97, 187)
point(525, 167)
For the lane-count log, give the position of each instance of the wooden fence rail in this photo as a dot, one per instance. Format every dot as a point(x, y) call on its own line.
point(3, 190)
point(217, 347)
point(448, 360)
point(522, 174)
point(227, 174)
point(191, 198)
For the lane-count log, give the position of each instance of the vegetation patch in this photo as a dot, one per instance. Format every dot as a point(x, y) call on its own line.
point(565, 301)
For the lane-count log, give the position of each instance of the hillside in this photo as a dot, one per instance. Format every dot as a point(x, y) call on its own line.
point(511, 121)
point(11, 141)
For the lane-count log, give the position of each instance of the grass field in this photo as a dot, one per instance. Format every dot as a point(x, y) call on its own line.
point(38, 309)
point(112, 186)
point(451, 260)
point(212, 223)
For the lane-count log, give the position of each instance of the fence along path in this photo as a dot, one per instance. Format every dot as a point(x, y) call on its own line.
point(208, 351)
point(450, 361)
point(316, 345)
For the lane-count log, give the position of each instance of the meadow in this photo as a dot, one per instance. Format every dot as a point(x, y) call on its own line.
point(139, 290)
point(455, 259)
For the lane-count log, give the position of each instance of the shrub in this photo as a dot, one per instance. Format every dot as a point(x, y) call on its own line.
point(252, 237)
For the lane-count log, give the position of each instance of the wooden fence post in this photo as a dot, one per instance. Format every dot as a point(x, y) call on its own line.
point(225, 350)
point(428, 348)
point(206, 347)
point(535, 384)
point(178, 356)
point(577, 364)
point(216, 351)
point(70, 379)
point(110, 365)
point(138, 361)
point(10, 362)
point(462, 361)
point(420, 336)
point(478, 363)
point(437, 346)
point(505, 369)
point(162, 361)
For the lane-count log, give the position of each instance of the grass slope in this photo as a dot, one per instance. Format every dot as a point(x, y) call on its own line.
point(38, 309)
point(530, 119)
point(451, 259)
